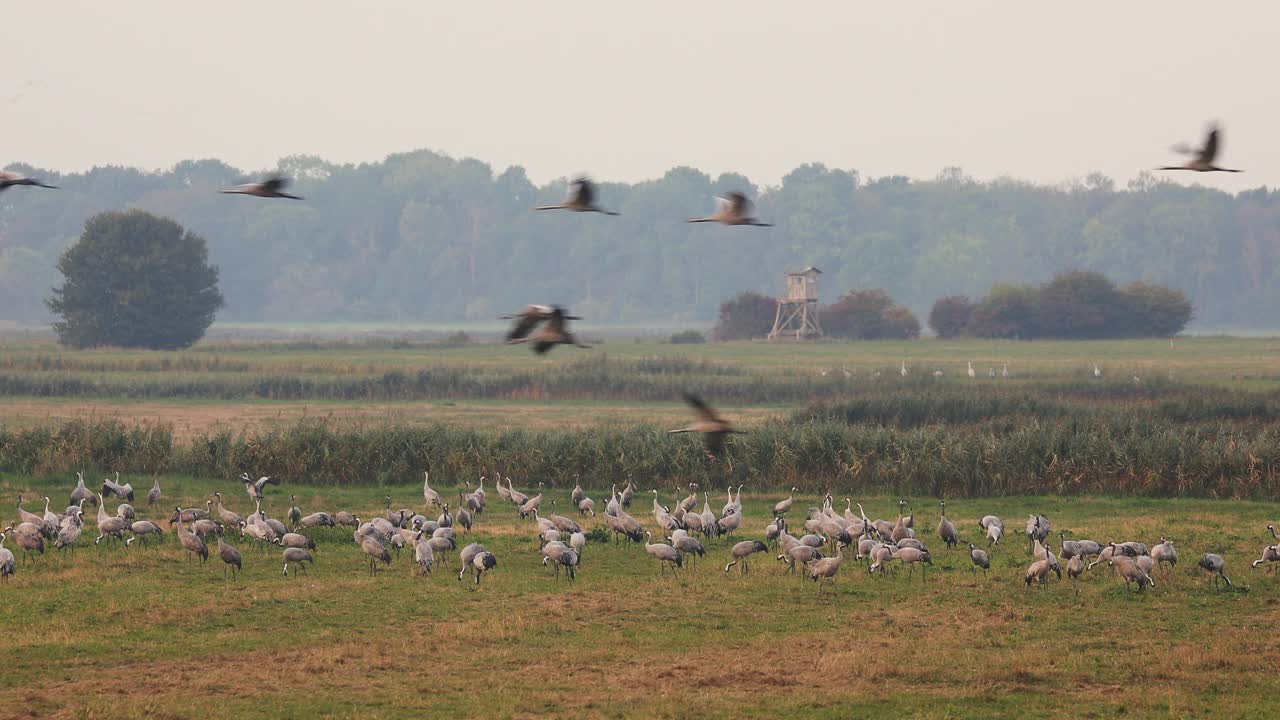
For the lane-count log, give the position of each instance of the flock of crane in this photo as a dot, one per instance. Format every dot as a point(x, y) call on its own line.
point(817, 553)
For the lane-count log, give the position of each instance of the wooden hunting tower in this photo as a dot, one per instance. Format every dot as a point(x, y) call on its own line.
point(798, 310)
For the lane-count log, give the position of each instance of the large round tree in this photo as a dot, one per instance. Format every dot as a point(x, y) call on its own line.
point(135, 280)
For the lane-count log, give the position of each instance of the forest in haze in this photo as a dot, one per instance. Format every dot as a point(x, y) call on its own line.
point(423, 237)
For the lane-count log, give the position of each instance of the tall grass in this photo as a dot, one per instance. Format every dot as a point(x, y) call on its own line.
point(910, 401)
point(1133, 455)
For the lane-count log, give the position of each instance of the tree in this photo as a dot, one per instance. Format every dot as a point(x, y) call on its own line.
point(421, 236)
point(1080, 304)
point(1154, 310)
point(950, 315)
point(1008, 311)
point(858, 314)
point(747, 316)
point(900, 322)
point(135, 280)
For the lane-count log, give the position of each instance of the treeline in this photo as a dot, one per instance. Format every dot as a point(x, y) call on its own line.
point(1074, 305)
point(421, 236)
point(1129, 454)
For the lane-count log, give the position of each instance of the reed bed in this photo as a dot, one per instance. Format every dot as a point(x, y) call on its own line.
point(1114, 454)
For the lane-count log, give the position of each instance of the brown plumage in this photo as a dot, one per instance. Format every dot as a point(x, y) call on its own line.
point(712, 427)
point(733, 209)
point(1203, 156)
point(554, 331)
point(582, 198)
point(528, 319)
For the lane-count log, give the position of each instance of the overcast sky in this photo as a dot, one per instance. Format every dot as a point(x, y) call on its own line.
point(625, 91)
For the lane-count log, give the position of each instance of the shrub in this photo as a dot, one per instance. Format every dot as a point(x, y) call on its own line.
point(868, 315)
point(899, 322)
point(749, 315)
point(687, 337)
point(950, 315)
point(858, 314)
point(1080, 304)
point(1010, 311)
point(1154, 310)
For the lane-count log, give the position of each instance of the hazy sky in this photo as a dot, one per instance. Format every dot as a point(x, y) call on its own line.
point(625, 91)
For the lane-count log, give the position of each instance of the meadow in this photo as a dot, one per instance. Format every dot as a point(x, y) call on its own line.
point(1178, 440)
point(147, 632)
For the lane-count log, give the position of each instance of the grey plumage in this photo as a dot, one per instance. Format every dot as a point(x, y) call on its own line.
point(296, 556)
point(8, 565)
point(192, 543)
point(741, 552)
point(1216, 566)
point(947, 529)
point(466, 555)
point(423, 555)
point(319, 519)
point(81, 493)
point(141, 529)
point(802, 554)
point(108, 526)
point(979, 559)
point(483, 563)
point(1165, 552)
point(230, 559)
point(296, 540)
point(376, 551)
point(663, 553)
point(70, 534)
point(253, 488)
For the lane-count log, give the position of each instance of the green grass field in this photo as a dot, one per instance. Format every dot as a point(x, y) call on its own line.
point(147, 632)
point(762, 380)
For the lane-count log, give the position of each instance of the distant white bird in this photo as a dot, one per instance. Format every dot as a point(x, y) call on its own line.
point(904, 368)
point(991, 372)
point(937, 373)
point(1096, 372)
point(972, 374)
point(1004, 373)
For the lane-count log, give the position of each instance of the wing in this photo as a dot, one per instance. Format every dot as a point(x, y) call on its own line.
point(703, 410)
point(276, 183)
point(556, 321)
point(525, 323)
point(739, 204)
point(583, 192)
point(1210, 149)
